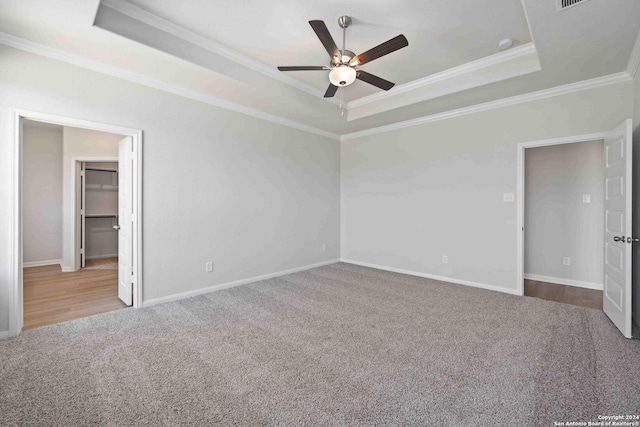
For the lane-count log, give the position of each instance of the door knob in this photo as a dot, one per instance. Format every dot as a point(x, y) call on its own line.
point(632, 239)
point(117, 227)
point(618, 239)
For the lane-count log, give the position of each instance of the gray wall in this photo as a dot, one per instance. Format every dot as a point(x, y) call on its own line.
point(558, 223)
point(253, 196)
point(42, 192)
point(411, 195)
point(101, 198)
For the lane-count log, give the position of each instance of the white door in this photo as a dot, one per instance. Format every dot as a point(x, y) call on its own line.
point(617, 233)
point(125, 221)
point(83, 230)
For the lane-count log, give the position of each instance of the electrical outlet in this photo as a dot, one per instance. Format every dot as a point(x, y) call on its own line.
point(324, 247)
point(508, 197)
point(445, 259)
point(586, 198)
point(208, 267)
point(566, 261)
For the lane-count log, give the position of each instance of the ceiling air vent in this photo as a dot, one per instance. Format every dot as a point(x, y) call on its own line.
point(566, 4)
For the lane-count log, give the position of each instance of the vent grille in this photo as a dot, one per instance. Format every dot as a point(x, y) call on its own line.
point(566, 4)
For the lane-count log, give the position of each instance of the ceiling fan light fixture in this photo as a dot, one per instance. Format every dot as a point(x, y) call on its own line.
point(342, 76)
point(343, 62)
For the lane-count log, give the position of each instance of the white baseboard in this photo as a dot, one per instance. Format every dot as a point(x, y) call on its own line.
point(434, 277)
point(560, 281)
point(228, 285)
point(101, 256)
point(41, 263)
point(4, 335)
point(67, 269)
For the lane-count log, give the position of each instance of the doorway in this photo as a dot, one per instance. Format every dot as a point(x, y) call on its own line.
point(53, 294)
point(617, 241)
point(97, 213)
point(97, 268)
point(564, 223)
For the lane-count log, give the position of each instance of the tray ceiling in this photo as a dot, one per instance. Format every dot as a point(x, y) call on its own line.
point(224, 53)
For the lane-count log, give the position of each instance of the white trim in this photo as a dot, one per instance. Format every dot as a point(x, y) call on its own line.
point(561, 281)
point(15, 251)
point(101, 256)
point(15, 273)
point(183, 295)
point(4, 335)
point(520, 191)
point(41, 263)
point(462, 70)
point(501, 103)
point(58, 55)
point(434, 277)
point(634, 59)
point(175, 30)
point(73, 122)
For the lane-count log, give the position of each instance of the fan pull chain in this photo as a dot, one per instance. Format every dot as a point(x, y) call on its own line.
point(341, 109)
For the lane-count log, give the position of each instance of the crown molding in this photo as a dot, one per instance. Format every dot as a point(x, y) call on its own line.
point(139, 14)
point(634, 59)
point(501, 103)
point(479, 64)
point(501, 66)
point(62, 56)
point(59, 55)
point(476, 73)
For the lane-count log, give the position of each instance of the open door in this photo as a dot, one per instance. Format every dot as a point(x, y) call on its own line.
point(617, 233)
point(83, 223)
point(125, 221)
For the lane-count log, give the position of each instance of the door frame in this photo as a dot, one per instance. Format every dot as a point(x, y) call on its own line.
point(16, 318)
point(76, 227)
point(520, 191)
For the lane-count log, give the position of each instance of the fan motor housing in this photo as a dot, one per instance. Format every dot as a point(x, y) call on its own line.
point(344, 60)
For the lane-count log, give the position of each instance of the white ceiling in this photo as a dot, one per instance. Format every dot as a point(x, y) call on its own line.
point(442, 34)
point(225, 52)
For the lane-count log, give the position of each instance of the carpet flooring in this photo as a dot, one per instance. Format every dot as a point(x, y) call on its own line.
point(336, 345)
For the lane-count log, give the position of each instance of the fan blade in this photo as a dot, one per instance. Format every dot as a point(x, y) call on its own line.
point(325, 38)
point(304, 68)
point(381, 50)
point(331, 90)
point(374, 80)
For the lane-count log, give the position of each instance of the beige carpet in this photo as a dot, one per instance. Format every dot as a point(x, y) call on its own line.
point(337, 345)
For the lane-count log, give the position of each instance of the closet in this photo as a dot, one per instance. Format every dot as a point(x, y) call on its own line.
point(98, 211)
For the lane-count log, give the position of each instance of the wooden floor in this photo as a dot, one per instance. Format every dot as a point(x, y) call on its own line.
point(51, 296)
point(582, 297)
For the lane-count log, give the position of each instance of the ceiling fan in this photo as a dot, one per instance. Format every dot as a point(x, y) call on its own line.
point(343, 70)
